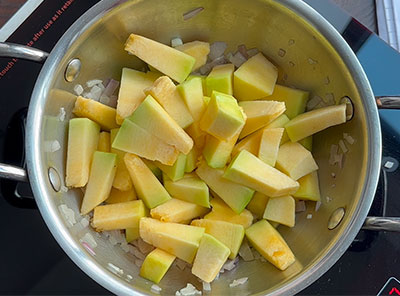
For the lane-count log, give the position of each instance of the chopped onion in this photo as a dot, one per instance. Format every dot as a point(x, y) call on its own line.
point(333, 154)
point(144, 247)
point(156, 289)
point(175, 42)
point(111, 87)
point(104, 100)
point(189, 290)
point(204, 70)
point(61, 114)
point(93, 82)
point(238, 282)
point(349, 139)
point(300, 206)
point(339, 160)
point(134, 251)
point(138, 262)
point(243, 50)
point(237, 59)
point(257, 255)
point(51, 146)
point(68, 214)
point(115, 269)
point(388, 164)
point(84, 222)
point(78, 89)
point(64, 189)
point(95, 92)
point(245, 252)
point(89, 239)
point(88, 248)
point(333, 175)
point(342, 146)
point(230, 264)
point(312, 61)
point(309, 216)
point(206, 286)
point(252, 52)
point(281, 52)
point(317, 205)
point(180, 264)
point(313, 102)
point(330, 99)
point(129, 277)
point(125, 247)
point(217, 49)
point(328, 199)
point(192, 13)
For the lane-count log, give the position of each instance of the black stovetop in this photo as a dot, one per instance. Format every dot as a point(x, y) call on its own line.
point(33, 263)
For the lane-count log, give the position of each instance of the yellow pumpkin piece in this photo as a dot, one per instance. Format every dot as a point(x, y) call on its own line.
point(122, 180)
point(117, 196)
point(176, 210)
point(98, 112)
point(168, 96)
point(131, 91)
point(104, 144)
point(118, 216)
point(83, 137)
point(102, 173)
point(260, 114)
point(167, 60)
point(270, 244)
point(197, 49)
point(255, 79)
point(156, 265)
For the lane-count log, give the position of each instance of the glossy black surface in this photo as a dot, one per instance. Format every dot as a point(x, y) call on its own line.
point(33, 263)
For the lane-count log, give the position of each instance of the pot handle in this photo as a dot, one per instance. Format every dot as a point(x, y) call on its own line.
point(13, 50)
point(388, 102)
point(13, 173)
point(382, 224)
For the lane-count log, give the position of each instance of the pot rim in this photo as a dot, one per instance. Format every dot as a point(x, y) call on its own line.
point(111, 282)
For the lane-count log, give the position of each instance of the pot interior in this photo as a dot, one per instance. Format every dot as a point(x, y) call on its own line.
point(305, 60)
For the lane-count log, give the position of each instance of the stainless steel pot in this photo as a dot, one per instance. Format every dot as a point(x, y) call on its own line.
point(310, 54)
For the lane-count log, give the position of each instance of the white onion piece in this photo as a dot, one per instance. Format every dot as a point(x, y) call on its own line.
point(217, 49)
point(317, 205)
point(61, 115)
point(245, 252)
point(349, 139)
point(68, 214)
point(238, 282)
point(78, 89)
point(252, 52)
point(111, 87)
point(333, 154)
point(104, 100)
point(243, 50)
point(313, 102)
point(300, 206)
point(342, 146)
point(93, 82)
point(84, 222)
point(206, 286)
point(129, 277)
point(115, 269)
point(309, 216)
point(144, 247)
point(237, 59)
point(180, 264)
point(89, 249)
point(96, 92)
point(230, 264)
point(328, 199)
point(64, 189)
point(89, 239)
point(189, 290)
point(51, 146)
point(204, 70)
point(176, 42)
point(192, 13)
point(156, 289)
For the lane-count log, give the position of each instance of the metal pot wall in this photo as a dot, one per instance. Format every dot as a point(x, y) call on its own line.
point(310, 55)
